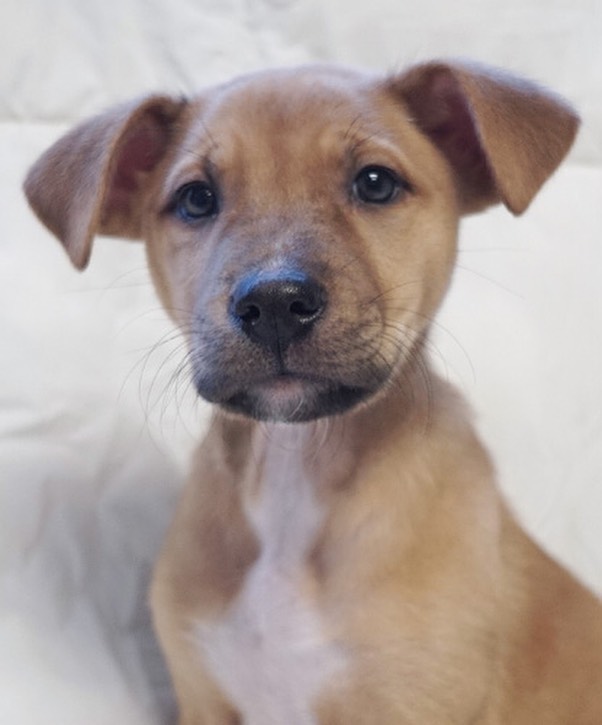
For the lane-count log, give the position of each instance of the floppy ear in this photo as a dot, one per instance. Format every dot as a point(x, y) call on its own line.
point(90, 180)
point(503, 136)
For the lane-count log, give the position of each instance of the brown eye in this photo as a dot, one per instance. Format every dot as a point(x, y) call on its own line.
point(378, 185)
point(195, 200)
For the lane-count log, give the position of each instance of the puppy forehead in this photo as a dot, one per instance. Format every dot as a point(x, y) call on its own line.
point(283, 111)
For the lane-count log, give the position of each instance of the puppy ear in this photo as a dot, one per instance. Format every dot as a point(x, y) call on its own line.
point(503, 136)
point(89, 181)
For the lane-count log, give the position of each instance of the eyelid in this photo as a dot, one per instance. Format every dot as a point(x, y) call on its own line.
point(203, 171)
point(184, 206)
point(171, 195)
point(376, 149)
point(387, 181)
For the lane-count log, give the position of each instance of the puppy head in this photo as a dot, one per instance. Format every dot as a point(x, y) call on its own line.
point(301, 224)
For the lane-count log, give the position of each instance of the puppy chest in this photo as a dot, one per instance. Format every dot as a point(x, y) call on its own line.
point(270, 652)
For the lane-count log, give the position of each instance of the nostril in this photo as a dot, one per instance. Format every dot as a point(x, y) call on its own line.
point(249, 314)
point(305, 308)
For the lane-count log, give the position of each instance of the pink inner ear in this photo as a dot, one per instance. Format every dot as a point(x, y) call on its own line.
point(137, 154)
point(459, 139)
point(443, 112)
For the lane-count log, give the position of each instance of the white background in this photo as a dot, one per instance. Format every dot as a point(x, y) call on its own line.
point(95, 426)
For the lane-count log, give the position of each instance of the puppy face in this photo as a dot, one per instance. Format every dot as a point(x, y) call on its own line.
point(301, 224)
point(302, 233)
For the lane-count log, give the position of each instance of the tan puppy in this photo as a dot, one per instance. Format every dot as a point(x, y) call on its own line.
point(358, 566)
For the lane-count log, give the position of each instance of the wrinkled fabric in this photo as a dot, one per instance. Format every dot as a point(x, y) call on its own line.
point(97, 416)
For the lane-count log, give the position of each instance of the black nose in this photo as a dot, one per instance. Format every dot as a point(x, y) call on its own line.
point(275, 308)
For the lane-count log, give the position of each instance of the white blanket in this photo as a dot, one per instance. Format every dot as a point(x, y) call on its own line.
point(95, 425)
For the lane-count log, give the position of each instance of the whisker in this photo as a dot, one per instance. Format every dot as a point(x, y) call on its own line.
point(492, 281)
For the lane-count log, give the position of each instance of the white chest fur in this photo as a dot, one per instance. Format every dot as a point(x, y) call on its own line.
point(269, 652)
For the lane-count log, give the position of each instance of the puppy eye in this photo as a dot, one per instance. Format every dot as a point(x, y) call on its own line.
point(195, 200)
point(378, 185)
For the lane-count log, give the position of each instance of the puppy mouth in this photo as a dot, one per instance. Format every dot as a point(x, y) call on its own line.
point(293, 398)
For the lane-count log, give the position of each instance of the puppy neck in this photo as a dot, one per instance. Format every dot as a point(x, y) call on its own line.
point(328, 450)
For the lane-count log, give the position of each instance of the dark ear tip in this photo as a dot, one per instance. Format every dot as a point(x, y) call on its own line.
point(80, 257)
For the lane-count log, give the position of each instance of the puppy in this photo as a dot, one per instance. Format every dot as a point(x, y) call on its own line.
point(341, 554)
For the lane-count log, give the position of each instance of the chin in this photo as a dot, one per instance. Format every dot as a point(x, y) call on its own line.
point(289, 399)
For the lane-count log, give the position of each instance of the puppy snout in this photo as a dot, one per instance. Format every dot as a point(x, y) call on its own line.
point(277, 308)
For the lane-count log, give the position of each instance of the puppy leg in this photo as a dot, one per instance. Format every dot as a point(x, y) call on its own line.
point(199, 701)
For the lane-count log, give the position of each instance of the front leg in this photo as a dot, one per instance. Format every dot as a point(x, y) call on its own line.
point(192, 719)
point(225, 718)
point(199, 700)
point(206, 554)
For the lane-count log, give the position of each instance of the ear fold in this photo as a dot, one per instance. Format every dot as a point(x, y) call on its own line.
point(89, 181)
point(503, 136)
